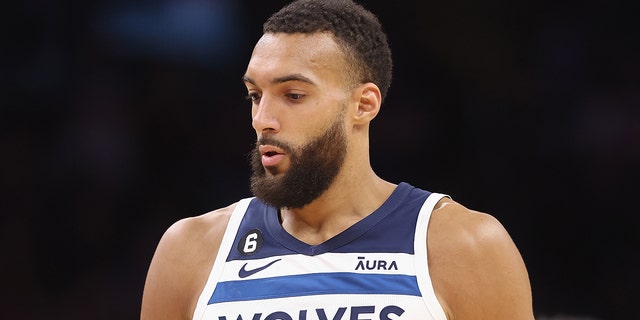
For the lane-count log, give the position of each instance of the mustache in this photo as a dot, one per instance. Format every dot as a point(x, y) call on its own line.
point(267, 140)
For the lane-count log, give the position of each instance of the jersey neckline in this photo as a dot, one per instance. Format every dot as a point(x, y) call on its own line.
point(353, 232)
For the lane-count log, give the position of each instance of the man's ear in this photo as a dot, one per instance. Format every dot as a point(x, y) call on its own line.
point(370, 100)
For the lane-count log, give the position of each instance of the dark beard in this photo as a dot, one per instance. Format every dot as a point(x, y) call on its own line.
point(313, 168)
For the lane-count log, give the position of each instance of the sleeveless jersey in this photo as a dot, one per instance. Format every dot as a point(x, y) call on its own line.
point(375, 269)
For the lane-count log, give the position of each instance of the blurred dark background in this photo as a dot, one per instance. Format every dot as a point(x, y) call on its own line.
point(120, 117)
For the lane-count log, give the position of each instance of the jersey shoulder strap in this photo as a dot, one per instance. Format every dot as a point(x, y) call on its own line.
point(223, 251)
point(422, 266)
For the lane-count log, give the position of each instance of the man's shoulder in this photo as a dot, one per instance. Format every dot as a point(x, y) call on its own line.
point(474, 264)
point(181, 263)
point(461, 239)
point(189, 239)
point(200, 226)
point(469, 228)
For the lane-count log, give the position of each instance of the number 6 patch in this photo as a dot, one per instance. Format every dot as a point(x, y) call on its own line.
point(250, 242)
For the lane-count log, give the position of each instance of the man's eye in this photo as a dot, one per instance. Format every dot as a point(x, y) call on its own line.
point(252, 96)
point(295, 96)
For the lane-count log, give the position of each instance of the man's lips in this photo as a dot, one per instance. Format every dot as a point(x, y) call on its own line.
point(271, 155)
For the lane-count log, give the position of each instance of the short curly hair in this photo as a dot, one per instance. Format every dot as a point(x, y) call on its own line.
point(355, 28)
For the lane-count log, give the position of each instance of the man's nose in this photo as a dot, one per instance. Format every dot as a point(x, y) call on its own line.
point(264, 116)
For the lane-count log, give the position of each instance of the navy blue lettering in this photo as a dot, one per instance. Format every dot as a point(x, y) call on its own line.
point(323, 316)
point(255, 317)
point(278, 315)
point(388, 310)
point(357, 311)
point(387, 313)
point(375, 264)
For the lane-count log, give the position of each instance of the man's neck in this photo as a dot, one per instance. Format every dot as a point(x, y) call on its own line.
point(345, 203)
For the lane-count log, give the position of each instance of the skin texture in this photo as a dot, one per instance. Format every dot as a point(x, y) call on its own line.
point(297, 88)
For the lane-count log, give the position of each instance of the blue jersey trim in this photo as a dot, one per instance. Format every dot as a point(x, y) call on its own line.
point(399, 214)
point(314, 284)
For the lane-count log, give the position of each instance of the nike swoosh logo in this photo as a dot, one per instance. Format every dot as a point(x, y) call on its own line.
point(243, 273)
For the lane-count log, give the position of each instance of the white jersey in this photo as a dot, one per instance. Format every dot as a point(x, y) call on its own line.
point(376, 269)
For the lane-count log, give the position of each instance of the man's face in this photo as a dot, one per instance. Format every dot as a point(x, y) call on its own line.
point(313, 167)
point(296, 86)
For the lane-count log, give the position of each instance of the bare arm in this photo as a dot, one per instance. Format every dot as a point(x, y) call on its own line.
point(477, 271)
point(181, 265)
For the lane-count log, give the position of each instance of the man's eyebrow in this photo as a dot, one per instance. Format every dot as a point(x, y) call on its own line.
point(287, 78)
point(292, 77)
point(246, 79)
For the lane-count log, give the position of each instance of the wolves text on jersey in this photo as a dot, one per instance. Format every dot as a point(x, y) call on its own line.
point(343, 313)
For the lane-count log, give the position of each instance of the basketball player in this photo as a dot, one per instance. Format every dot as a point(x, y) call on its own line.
point(325, 237)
